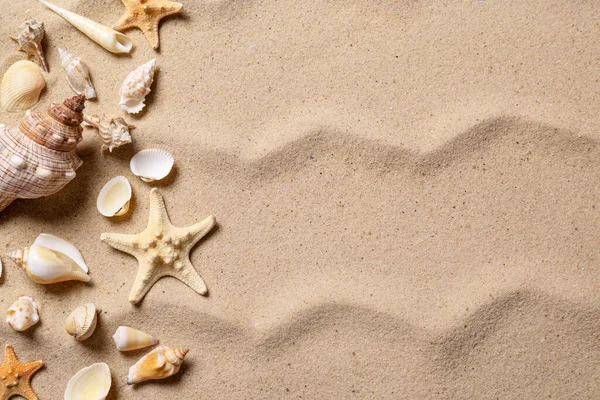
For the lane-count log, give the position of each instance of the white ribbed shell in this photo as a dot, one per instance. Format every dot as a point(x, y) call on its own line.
point(21, 86)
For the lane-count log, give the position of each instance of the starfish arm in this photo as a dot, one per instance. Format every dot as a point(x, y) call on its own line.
point(158, 212)
point(186, 273)
point(122, 242)
point(146, 278)
point(151, 32)
point(125, 22)
point(197, 231)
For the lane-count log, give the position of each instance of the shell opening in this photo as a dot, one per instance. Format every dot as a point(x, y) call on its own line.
point(122, 43)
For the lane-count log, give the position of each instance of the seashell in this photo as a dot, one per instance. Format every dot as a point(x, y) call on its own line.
point(90, 383)
point(136, 86)
point(81, 323)
point(128, 339)
point(160, 363)
point(0, 268)
point(113, 131)
point(31, 34)
point(152, 164)
point(21, 86)
point(114, 197)
point(22, 314)
point(111, 40)
point(51, 259)
point(77, 74)
point(38, 158)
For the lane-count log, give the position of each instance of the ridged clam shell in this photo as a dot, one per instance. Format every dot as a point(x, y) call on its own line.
point(136, 86)
point(90, 383)
point(127, 339)
point(152, 164)
point(77, 74)
point(114, 197)
point(160, 363)
point(21, 86)
point(22, 314)
point(82, 322)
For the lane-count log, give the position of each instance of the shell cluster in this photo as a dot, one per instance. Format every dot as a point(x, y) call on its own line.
point(136, 86)
point(90, 383)
point(81, 323)
point(21, 86)
point(22, 314)
point(77, 74)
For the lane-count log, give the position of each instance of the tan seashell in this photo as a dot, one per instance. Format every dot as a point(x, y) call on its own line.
point(90, 383)
point(160, 363)
point(51, 259)
point(114, 131)
point(136, 86)
point(22, 314)
point(127, 339)
point(81, 323)
point(31, 34)
point(152, 164)
point(21, 86)
point(77, 74)
point(114, 197)
point(38, 158)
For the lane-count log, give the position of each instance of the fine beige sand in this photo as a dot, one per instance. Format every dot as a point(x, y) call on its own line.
point(406, 195)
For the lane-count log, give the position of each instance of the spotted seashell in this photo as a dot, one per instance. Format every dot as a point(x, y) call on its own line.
point(22, 314)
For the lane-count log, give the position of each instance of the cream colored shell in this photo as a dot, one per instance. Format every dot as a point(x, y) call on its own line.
point(82, 322)
point(127, 339)
point(90, 383)
point(152, 164)
point(114, 131)
point(22, 314)
point(21, 86)
point(77, 74)
point(136, 86)
point(113, 199)
point(160, 363)
point(31, 34)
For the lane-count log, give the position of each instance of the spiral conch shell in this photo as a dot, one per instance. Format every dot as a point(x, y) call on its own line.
point(81, 323)
point(128, 339)
point(113, 131)
point(22, 85)
point(31, 34)
point(77, 74)
point(136, 86)
point(22, 314)
point(38, 158)
point(90, 383)
point(51, 259)
point(160, 363)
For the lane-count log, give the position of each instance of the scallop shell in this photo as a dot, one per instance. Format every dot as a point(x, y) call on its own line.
point(21, 86)
point(127, 339)
point(152, 164)
point(31, 34)
point(81, 323)
point(136, 86)
point(160, 363)
point(22, 314)
point(113, 131)
point(77, 74)
point(114, 197)
point(90, 383)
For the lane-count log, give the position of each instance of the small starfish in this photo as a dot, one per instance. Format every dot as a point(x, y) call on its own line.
point(15, 377)
point(161, 249)
point(146, 15)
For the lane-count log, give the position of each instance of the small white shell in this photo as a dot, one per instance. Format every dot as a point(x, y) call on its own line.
point(90, 383)
point(77, 74)
point(136, 86)
point(22, 314)
point(127, 339)
point(152, 164)
point(81, 323)
point(21, 86)
point(114, 197)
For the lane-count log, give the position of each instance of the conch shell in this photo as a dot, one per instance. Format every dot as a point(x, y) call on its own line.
point(160, 363)
point(90, 383)
point(77, 74)
point(51, 259)
point(111, 40)
point(38, 158)
point(136, 86)
point(113, 131)
point(21, 86)
point(23, 314)
point(82, 322)
point(30, 38)
point(127, 339)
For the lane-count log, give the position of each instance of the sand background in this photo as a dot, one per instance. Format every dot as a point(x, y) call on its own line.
point(406, 195)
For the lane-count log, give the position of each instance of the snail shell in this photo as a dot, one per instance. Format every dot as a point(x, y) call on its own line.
point(82, 322)
point(31, 34)
point(160, 363)
point(77, 74)
point(127, 339)
point(113, 131)
point(136, 86)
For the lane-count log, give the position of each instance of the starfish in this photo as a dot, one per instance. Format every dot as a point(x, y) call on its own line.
point(146, 15)
point(15, 377)
point(161, 249)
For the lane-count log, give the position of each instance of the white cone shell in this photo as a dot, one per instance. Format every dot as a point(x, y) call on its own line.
point(127, 339)
point(21, 86)
point(90, 383)
point(113, 199)
point(136, 86)
point(22, 314)
point(152, 164)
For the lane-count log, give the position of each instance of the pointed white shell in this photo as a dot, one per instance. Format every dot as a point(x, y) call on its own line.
point(127, 339)
point(136, 86)
point(114, 197)
point(152, 164)
point(160, 363)
point(77, 74)
point(81, 323)
point(90, 383)
point(21, 86)
point(111, 40)
point(22, 314)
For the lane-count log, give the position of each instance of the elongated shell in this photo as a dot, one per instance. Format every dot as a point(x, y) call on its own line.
point(31, 34)
point(77, 74)
point(114, 197)
point(136, 86)
point(82, 322)
point(113, 131)
point(22, 85)
point(152, 164)
point(160, 363)
point(127, 339)
point(90, 383)
point(22, 314)
point(111, 40)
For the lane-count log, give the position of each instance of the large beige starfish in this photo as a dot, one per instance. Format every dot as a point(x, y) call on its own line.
point(146, 15)
point(15, 377)
point(161, 249)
